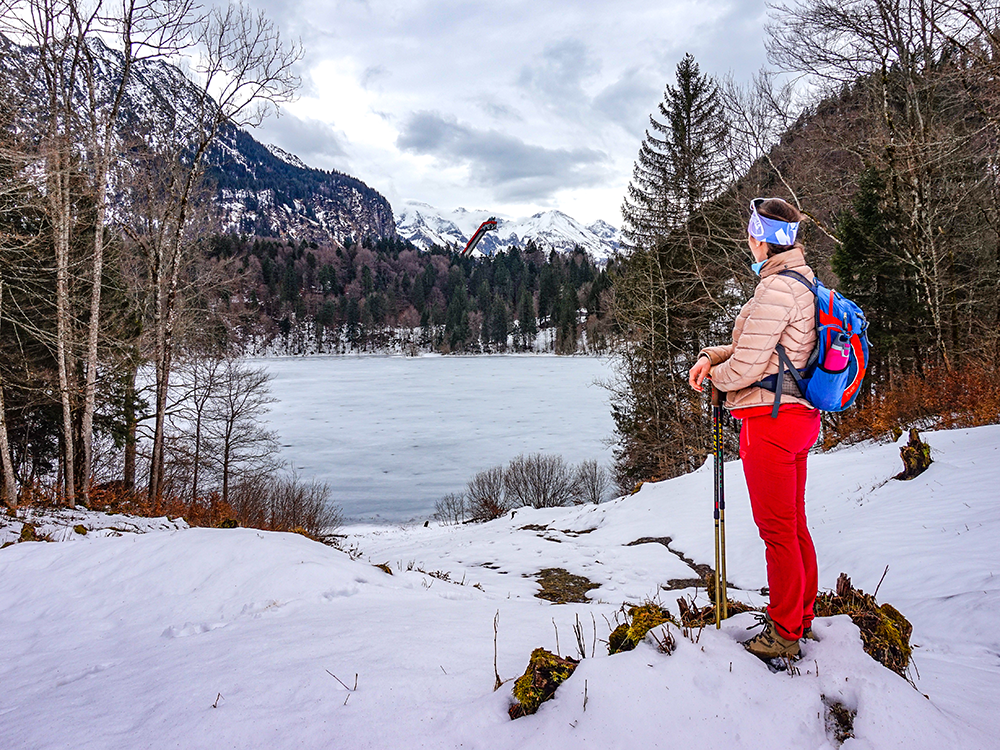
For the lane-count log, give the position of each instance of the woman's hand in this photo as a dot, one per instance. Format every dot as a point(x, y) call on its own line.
point(698, 373)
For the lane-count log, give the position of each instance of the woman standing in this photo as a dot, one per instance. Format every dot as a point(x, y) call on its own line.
point(774, 443)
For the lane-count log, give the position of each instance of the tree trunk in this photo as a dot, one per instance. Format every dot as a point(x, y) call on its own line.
point(128, 477)
point(9, 484)
point(90, 387)
point(61, 215)
point(101, 143)
point(197, 458)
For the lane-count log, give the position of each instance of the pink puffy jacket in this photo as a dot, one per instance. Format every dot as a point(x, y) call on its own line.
point(782, 310)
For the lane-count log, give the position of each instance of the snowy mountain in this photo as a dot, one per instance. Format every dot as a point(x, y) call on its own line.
point(266, 191)
point(424, 225)
point(260, 189)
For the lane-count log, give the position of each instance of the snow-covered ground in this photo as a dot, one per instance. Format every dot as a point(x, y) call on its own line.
point(393, 435)
point(200, 638)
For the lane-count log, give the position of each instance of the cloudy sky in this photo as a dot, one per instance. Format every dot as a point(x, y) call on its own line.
point(513, 106)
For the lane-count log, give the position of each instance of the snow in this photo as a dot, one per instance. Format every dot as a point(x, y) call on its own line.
point(286, 157)
point(424, 225)
point(208, 638)
point(393, 435)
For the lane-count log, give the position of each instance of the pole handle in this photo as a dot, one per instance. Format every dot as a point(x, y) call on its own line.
point(718, 397)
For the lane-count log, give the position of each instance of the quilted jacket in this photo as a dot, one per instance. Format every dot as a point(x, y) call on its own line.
point(782, 310)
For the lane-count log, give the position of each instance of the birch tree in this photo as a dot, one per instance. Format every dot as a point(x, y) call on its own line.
point(143, 30)
point(75, 119)
point(244, 70)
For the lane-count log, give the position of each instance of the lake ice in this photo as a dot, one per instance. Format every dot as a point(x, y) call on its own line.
point(392, 435)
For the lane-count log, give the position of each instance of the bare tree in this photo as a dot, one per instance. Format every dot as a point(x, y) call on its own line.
point(486, 496)
point(201, 382)
point(245, 69)
point(239, 446)
point(57, 31)
point(539, 481)
point(898, 59)
point(451, 508)
point(590, 483)
point(144, 30)
point(75, 121)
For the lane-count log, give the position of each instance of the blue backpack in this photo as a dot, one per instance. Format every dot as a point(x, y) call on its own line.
point(832, 376)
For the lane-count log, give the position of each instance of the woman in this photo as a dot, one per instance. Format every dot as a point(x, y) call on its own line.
point(774, 443)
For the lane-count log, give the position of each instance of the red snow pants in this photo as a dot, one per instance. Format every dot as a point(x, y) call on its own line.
point(774, 452)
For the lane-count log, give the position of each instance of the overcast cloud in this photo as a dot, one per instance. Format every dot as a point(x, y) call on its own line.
point(506, 106)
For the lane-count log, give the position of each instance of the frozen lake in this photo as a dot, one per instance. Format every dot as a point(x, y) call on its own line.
point(392, 435)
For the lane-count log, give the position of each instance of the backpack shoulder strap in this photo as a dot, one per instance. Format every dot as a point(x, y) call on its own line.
point(799, 277)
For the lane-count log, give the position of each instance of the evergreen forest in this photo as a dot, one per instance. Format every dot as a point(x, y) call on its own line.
point(386, 295)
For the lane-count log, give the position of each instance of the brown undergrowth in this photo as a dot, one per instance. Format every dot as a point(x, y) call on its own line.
point(937, 399)
point(114, 498)
point(885, 633)
point(310, 518)
point(208, 511)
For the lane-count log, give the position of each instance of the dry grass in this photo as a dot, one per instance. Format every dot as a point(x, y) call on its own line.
point(839, 721)
point(938, 398)
point(561, 587)
point(694, 617)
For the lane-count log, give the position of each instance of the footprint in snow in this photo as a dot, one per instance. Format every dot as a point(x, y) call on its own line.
point(192, 628)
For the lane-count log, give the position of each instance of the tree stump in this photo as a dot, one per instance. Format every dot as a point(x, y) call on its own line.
point(844, 587)
point(916, 456)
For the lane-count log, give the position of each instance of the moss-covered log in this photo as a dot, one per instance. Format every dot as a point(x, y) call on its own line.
point(638, 621)
point(544, 674)
point(885, 633)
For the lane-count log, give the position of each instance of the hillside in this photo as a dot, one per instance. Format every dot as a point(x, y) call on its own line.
point(259, 189)
point(211, 638)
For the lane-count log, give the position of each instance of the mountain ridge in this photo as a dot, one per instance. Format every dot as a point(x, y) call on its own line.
point(259, 189)
point(425, 225)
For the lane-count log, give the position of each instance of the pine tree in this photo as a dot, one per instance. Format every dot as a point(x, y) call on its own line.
point(667, 288)
point(870, 272)
point(527, 328)
point(680, 163)
point(456, 323)
point(565, 318)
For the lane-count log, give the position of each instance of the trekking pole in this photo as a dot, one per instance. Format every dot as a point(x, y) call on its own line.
point(721, 600)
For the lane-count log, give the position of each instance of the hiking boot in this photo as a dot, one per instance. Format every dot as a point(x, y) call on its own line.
point(809, 635)
point(767, 644)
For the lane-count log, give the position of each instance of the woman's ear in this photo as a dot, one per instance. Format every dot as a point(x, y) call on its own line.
point(758, 248)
